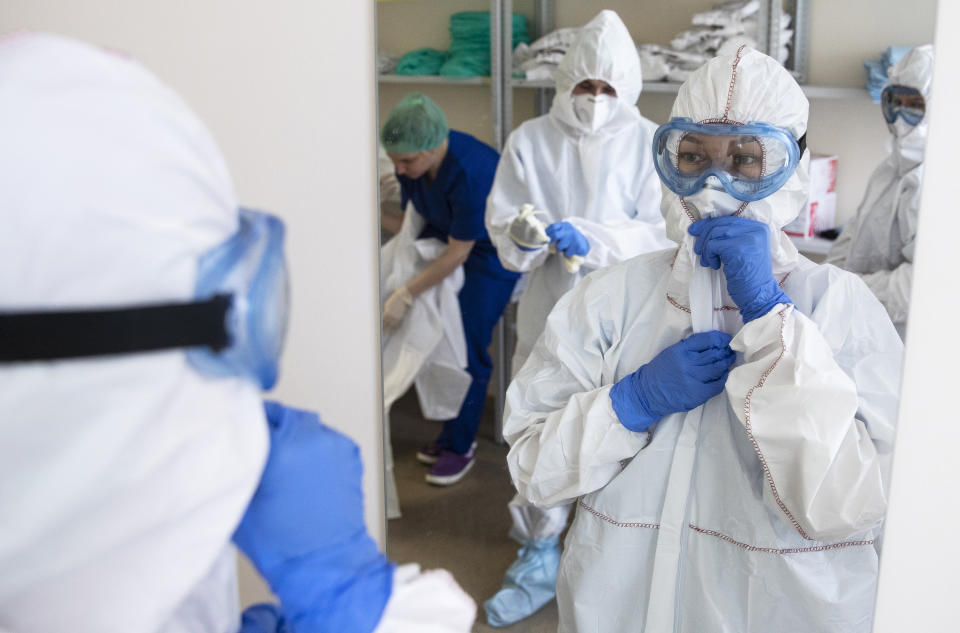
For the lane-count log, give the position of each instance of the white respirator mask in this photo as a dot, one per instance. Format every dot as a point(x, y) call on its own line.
point(594, 111)
point(909, 141)
point(712, 202)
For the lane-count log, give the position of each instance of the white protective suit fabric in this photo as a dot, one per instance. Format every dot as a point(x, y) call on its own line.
point(123, 477)
point(758, 511)
point(878, 242)
point(429, 349)
point(603, 182)
point(426, 602)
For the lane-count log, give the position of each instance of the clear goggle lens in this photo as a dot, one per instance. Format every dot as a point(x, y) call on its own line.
point(748, 161)
point(904, 102)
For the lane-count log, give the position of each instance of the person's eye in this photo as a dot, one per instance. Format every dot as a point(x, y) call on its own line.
point(745, 160)
point(609, 91)
point(691, 157)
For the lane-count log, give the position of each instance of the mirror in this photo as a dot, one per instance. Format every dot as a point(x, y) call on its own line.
point(680, 498)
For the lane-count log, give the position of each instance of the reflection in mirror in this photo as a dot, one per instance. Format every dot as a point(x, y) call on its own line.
point(700, 413)
point(878, 242)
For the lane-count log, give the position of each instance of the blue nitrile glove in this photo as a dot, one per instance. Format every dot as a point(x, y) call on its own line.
point(742, 246)
point(568, 239)
point(680, 378)
point(304, 528)
point(263, 618)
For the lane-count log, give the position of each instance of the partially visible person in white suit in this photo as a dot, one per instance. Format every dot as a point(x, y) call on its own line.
point(141, 315)
point(878, 243)
point(722, 414)
point(587, 170)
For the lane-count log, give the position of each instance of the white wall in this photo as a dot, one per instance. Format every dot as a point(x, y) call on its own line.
point(921, 554)
point(288, 91)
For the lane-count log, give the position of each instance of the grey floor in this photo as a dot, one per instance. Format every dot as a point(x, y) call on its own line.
point(461, 528)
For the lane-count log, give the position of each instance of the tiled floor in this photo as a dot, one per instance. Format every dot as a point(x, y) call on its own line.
point(462, 528)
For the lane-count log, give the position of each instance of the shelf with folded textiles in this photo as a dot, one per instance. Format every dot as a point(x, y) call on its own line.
point(649, 86)
point(812, 92)
point(434, 79)
point(835, 92)
point(812, 245)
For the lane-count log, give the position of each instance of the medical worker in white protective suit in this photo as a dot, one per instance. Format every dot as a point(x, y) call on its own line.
point(723, 413)
point(878, 242)
point(141, 314)
point(587, 169)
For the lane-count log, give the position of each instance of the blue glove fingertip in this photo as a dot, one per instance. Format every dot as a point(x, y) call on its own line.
point(275, 412)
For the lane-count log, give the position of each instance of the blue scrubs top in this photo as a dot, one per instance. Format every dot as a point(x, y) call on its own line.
point(454, 204)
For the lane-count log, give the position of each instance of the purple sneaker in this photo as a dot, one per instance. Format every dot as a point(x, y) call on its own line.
point(429, 453)
point(450, 468)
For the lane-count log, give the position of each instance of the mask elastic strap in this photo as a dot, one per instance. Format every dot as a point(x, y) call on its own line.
point(34, 336)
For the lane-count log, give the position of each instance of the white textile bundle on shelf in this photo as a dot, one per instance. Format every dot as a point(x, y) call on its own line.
point(386, 62)
point(666, 64)
point(727, 13)
point(540, 59)
point(715, 32)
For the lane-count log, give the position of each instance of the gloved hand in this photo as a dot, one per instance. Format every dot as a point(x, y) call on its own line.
point(680, 378)
point(568, 239)
point(396, 307)
point(527, 231)
point(742, 246)
point(263, 618)
point(304, 528)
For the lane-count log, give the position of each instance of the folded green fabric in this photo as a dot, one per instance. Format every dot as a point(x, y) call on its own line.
point(470, 43)
point(422, 61)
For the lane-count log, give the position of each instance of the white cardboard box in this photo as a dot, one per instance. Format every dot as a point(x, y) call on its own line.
point(820, 211)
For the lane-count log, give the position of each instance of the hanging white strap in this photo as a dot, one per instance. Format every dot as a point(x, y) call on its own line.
point(666, 562)
point(705, 293)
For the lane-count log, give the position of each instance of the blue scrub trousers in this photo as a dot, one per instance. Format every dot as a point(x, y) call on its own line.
point(483, 299)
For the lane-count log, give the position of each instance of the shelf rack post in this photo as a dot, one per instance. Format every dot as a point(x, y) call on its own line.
point(500, 31)
point(496, 71)
point(543, 15)
point(801, 40)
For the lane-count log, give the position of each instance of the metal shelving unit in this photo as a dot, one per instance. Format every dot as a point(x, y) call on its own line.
point(812, 92)
point(433, 79)
point(812, 245)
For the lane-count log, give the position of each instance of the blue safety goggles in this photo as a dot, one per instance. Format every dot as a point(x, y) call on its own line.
point(235, 326)
point(749, 161)
point(250, 268)
point(901, 101)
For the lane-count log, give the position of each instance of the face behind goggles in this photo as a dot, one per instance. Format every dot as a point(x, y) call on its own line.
point(236, 325)
point(903, 102)
point(749, 161)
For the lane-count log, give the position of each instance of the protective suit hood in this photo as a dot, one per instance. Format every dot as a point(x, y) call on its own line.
point(603, 50)
point(110, 191)
point(745, 87)
point(915, 70)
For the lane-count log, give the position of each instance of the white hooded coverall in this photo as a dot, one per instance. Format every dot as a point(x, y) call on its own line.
point(759, 511)
point(878, 242)
point(123, 478)
point(602, 182)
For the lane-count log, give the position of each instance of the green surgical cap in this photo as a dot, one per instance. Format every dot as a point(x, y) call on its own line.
point(415, 125)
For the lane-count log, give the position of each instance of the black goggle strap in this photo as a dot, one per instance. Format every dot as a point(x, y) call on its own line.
point(802, 144)
point(36, 336)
